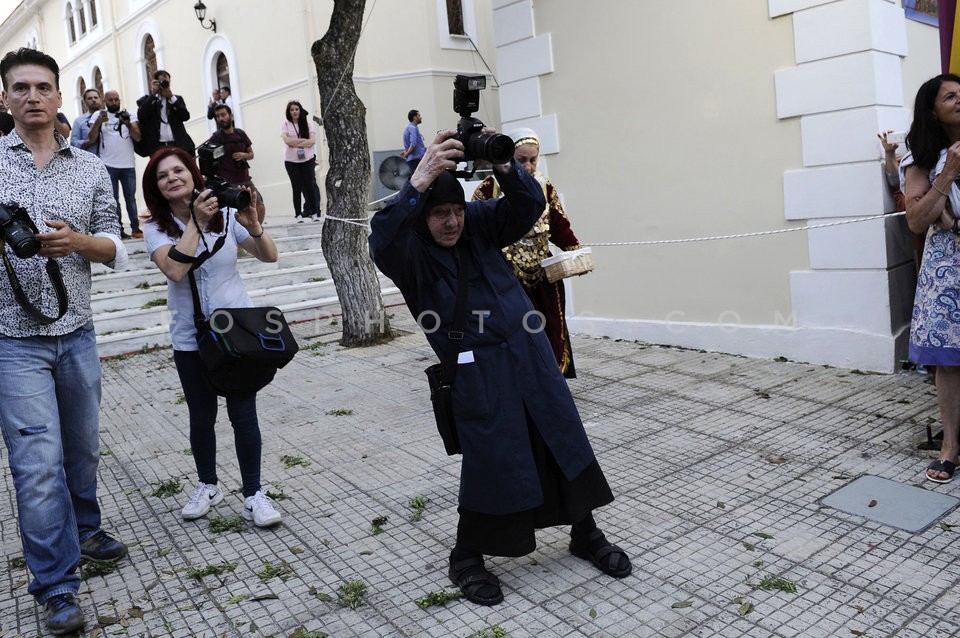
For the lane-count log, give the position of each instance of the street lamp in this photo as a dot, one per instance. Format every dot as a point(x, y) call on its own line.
point(201, 10)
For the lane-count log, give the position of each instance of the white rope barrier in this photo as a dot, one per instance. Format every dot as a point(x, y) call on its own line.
point(656, 242)
point(741, 235)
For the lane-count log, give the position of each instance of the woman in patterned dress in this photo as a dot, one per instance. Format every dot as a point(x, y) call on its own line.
point(525, 255)
point(933, 203)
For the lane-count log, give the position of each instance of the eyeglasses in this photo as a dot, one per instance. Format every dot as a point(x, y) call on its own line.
point(444, 213)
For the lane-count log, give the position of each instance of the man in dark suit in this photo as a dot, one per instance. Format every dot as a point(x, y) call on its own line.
point(162, 115)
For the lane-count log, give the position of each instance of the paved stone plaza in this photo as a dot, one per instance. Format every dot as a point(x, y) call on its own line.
point(718, 463)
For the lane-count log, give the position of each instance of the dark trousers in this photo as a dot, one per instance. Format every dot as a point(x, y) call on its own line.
point(303, 180)
point(202, 405)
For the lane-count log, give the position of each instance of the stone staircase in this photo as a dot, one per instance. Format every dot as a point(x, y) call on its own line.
point(129, 306)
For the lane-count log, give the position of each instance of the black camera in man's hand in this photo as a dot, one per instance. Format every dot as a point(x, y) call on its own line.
point(164, 84)
point(492, 147)
point(124, 116)
point(19, 231)
point(208, 157)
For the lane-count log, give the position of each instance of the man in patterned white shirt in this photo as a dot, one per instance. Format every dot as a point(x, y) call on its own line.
point(50, 371)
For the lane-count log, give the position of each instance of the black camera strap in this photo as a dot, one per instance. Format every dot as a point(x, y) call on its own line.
point(448, 363)
point(53, 273)
point(198, 319)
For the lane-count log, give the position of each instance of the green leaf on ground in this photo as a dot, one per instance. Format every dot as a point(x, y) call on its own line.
point(682, 604)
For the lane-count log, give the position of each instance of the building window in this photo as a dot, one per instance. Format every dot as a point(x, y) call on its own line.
point(71, 27)
point(81, 89)
point(223, 70)
point(455, 17)
point(149, 60)
point(81, 18)
point(93, 13)
point(98, 80)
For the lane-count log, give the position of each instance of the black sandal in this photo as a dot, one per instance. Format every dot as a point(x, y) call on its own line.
point(604, 555)
point(472, 578)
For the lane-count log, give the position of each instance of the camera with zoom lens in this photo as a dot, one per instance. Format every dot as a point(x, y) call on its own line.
point(477, 145)
point(208, 157)
point(123, 115)
point(19, 231)
point(164, 84)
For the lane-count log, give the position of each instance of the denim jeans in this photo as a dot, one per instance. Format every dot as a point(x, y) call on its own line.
point(127, 178)
point(202, 406)
point(49, 414)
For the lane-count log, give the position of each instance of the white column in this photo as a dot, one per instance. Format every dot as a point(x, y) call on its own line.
point(847, 86)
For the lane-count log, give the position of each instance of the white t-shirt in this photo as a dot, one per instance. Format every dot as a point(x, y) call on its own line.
point(116, 147)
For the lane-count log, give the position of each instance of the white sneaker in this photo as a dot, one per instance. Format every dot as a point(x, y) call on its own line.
point(204, 497)
point(259, 509)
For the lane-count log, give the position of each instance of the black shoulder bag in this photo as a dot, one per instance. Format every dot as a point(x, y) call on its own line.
point(241, 348)
point(441, 376)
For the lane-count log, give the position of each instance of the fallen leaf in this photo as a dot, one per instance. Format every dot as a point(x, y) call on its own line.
point(872, 503)
point(681, 604)
point(858, 633)
point(946, 526)
point(135, 612)
point(593, 613)
point(721, 505)
point(750, 547)
point(762, 535)
point(265, 597)
point(776, 460)
point(296, 550)
point(738, 600)
point(745, 609)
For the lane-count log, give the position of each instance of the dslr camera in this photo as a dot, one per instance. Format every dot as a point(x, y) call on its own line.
point(19, 231)
point(164, 84)
point(491, 147)
point(208, 157)
point(124, 116)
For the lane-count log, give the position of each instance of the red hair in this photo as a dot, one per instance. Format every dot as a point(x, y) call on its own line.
point(158, 205)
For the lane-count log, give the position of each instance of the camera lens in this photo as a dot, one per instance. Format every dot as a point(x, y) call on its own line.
point(21, 240)
point(16, 233)
point(493, 147)
point(234, 198)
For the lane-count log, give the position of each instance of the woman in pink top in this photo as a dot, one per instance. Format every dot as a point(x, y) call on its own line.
point(300, 161)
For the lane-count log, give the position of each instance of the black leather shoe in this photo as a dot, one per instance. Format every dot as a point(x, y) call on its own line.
point(63, 614)
point(102, 546)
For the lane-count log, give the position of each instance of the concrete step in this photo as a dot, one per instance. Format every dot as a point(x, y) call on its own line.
point(130, 312)
point(144, 296)
point(142, 337)
point(139, 259)
point(149, 275)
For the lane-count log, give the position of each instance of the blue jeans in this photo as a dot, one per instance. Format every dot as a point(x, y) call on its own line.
point(126, 177)
point(202, 406)
point(49, 414)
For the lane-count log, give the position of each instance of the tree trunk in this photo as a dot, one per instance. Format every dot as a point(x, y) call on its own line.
point(344, 244)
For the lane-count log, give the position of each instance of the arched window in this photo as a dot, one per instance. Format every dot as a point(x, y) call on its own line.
point(93, 13)
point(98, 80)
point(81, 18)
point(455, 17)
point(71, 27)
point(223, 70)
point(149, 59)
point(81, 89)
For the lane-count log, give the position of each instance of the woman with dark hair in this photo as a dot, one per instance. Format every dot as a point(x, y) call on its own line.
point(933, 206)
point(182, 225)
point(300, 161)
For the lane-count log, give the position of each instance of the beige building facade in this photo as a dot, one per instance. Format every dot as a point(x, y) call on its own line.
point(659, 121)
point(667, 121)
